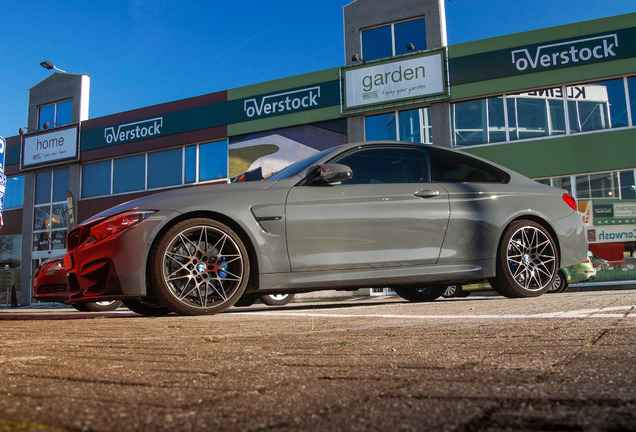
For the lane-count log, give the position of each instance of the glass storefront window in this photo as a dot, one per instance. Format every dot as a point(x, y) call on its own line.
point(410, 128)
point(59, 113)
point(96, 179)
point(60, 184)
point(190, 175)
point(10, 251)
point(598, 186)
point(164, 168)
point(536, 117)
point(50, 214)
point(479, 121)
point(64, 112)
point(541, 113)
point(393, 39)
point(408, 125)
point(380, 127)
point(412, 31)
point(14, 193)
point(597, 106)
point(496, 120)
point(628, 184)
point(129, 174)
point(47, 114)
point(43, 187)
point(631, 86)
point(213, 161)
point(377, 43)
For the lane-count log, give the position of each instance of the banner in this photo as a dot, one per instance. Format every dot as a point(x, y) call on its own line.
point(3, 178)
point(416, 77)
point(51, 146)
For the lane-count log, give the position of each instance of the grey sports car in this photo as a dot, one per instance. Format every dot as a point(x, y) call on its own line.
point(412, 217)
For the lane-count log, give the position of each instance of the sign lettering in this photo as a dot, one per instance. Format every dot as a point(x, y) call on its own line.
point(282, 103)
point(563, 53)
point(134, 131)
point(420, 76)
point(59, 144)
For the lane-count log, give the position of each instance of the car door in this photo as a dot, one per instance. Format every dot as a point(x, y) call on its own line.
point(387, 215)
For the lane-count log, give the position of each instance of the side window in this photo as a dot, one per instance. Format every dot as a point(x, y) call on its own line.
point(387, 165)
point(457, 168)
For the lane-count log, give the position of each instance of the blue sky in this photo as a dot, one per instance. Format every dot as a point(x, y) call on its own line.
point(144, 52)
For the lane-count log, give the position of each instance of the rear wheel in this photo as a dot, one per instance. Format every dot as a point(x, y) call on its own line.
point(146, 307)
point(276, 299)
point(102, 306)
point(527, 262)
point(424, 293)
point(246, 300)
point(455, 291)
point(199, 267)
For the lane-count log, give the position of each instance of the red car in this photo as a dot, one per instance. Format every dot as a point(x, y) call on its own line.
point(51, 284)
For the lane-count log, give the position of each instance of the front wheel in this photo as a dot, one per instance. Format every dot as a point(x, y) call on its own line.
point(199, 267)
point(527, 261)
point(424, 293)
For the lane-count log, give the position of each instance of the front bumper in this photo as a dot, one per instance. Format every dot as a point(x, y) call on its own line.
point(112, 268)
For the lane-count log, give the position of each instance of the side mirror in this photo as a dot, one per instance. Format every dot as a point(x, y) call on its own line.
point(325, 174)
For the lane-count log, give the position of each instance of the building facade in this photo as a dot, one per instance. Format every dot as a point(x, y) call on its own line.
point(556, 104)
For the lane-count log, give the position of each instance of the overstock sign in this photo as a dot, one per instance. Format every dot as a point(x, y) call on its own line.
point(564, 53)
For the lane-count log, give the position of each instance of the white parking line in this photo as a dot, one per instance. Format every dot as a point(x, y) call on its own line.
point(584, 313)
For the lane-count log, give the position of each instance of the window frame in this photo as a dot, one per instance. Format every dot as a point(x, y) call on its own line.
point(393, 40)
point(183, 177)
point(552, 94)
point(55, 120)
point(425, 125)
point(49, 206)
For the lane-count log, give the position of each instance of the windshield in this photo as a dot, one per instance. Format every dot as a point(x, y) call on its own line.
point(298, 167)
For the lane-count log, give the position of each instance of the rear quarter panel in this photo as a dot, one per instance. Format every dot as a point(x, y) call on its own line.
point(480, 213)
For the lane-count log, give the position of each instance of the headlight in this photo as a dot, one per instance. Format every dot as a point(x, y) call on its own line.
point(116, 224)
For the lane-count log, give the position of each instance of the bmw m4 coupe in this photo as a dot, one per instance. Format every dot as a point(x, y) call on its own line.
point(412, 217)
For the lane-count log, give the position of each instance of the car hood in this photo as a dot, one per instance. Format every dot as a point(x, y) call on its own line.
point(165, 200)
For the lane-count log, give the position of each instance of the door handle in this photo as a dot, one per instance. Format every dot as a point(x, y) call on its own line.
point(426, 193)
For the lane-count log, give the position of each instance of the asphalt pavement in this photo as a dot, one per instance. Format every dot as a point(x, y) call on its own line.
point(481, 363)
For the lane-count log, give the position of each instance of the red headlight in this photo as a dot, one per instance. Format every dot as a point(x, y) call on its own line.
point(117, 224)
point(570, 201)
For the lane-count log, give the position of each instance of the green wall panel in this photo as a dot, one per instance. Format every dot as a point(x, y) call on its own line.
point(283, 121)
point(580, 153)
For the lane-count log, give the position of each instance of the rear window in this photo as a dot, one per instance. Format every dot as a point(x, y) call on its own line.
point(456, 168)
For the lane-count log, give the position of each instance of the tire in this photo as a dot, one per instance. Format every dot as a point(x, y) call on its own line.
point(103, 306)
point(424, 293)
point(246, 300)
point(276, 299)
point(199, 267)
point(560, 283)
point(527, 261)
point(146, 307)
point(455, 291)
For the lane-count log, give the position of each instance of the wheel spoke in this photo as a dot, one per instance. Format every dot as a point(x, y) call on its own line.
point(531, 258)
point(203, 266)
